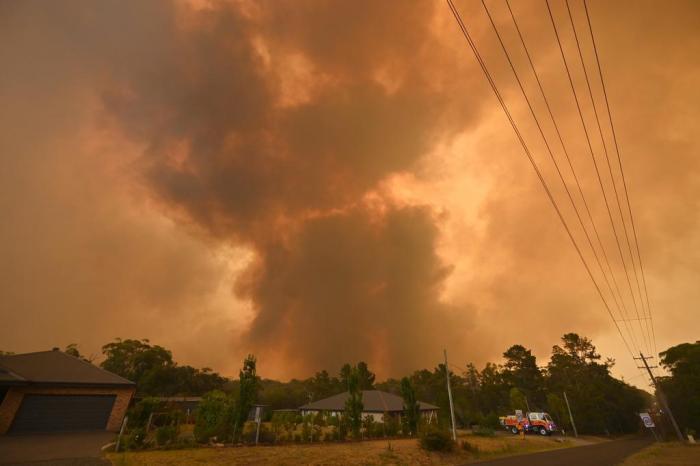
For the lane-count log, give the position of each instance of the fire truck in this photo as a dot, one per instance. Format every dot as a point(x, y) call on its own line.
point(539, 423)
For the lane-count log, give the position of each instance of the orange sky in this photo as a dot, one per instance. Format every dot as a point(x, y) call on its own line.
point(320, 182)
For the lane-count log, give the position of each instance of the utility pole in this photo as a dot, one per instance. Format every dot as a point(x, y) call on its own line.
point(571, 417)
point(449, 394)
point(660, 395)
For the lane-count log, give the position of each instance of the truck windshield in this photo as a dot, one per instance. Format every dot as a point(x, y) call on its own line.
point(547, 418)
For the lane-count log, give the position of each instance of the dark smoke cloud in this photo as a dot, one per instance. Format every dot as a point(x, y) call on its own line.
point(332, 280)
point(305, 167)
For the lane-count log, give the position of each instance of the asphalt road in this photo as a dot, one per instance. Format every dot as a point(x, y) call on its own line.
point(599, 454)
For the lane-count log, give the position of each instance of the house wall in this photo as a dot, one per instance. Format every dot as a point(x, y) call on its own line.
point(14, 397)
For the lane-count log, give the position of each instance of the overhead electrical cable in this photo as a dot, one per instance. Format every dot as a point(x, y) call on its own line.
point(624, 315)
point(622, 173)
point(647, 336)
point(526, 149)
point(591, 151)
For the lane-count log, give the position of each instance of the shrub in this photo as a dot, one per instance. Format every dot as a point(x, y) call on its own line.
point(135, 439)
point(214, 416)
point(165, 435)
point(368, 424)
point(490, 421)
point(391, 425)
point(139, 414)
point(436, 439)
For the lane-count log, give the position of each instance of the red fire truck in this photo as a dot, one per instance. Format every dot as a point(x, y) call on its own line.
point(540, 423)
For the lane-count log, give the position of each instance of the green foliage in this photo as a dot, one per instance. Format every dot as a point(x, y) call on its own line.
point(153, 370)
point(520, 371)
point(247, 392)
point(166, 435)
point(214, 416)
point(141, 411)
point(411, 409)
point(490, 421)
point(354, 405)
point(605, 403)
point(72, 349)
point(365, 377)
point(517, 400)
point(391, 425)
point(436, 439)
point(368, 424)
point(135, 439)
point(557, 409)
point(682, 388)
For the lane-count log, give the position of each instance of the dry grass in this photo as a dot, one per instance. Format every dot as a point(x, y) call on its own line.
point(666, 454)
point(375, 452)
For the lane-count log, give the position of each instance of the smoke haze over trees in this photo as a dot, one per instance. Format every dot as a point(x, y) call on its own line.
point(600, 402)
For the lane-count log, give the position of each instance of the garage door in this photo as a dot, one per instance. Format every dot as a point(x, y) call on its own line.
point(63, 413)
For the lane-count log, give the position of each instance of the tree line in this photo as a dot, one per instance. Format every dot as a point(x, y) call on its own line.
point(600, 402)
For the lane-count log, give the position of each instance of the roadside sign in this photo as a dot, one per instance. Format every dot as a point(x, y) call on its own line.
point(647, 420)
point(519, 414)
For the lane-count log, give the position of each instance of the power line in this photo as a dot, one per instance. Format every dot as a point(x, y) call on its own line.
point(494, 88)
point(622, 172)
point(573, 171)
point(645, 337)
point(590, 147)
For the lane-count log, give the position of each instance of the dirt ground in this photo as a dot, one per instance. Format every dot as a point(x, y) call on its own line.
point(666, 454)
point(374, 452)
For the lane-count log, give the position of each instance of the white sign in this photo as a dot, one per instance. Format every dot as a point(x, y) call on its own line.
point(519, 414)
point(647, 420)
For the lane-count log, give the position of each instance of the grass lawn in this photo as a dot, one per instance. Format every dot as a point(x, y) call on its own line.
point(666, 454)
point(374, 452)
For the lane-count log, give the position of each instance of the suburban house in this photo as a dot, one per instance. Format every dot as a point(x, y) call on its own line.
point(51, 391)
point(376, 403)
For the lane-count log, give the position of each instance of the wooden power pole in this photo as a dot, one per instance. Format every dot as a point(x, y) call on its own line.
point(571, 417)
point(660, 395)
point(449, 394)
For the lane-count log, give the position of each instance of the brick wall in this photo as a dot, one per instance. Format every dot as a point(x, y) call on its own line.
point(14, 396)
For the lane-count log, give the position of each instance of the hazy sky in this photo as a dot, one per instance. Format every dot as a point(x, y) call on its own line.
point(319, 182)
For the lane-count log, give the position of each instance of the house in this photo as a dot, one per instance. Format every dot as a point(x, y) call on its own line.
point(51, 391)
point(375, 402)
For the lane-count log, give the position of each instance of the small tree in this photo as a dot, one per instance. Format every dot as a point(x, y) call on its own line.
point(411, 410)
point(247, 394)
point(213, 416)
point(353, 405)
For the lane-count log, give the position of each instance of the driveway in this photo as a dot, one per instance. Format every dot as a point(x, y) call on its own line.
point(82, 449)
point(599, 454)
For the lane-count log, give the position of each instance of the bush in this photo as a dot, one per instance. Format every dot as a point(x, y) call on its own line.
point(214, 417)
point(490, 421)
point(436, 440)
point(139, 414)
point(135, 439)
point(391, 425)
point(165, 435)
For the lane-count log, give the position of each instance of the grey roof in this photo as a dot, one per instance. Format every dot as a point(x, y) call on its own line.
point(54, 367)
point(373, 401)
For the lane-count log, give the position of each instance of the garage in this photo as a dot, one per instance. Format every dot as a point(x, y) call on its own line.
point(51, 391)
point(63, 413)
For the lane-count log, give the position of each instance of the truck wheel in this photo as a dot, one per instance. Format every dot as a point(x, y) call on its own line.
point(514, 430)
point(543, 431)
